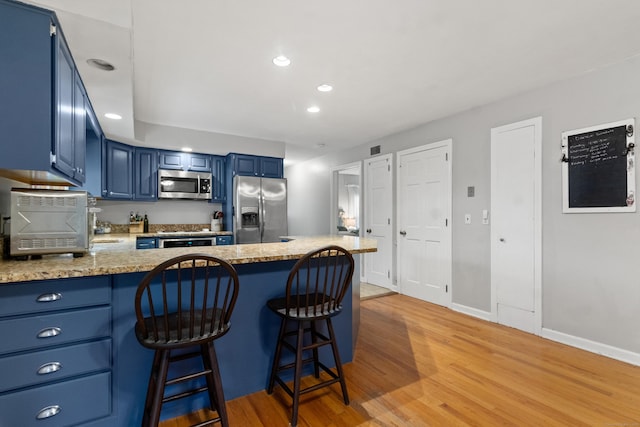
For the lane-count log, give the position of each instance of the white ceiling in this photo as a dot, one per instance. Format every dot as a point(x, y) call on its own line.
point(206, 64)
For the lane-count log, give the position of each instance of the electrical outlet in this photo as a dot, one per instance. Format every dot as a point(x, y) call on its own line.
point(485, 216)
point(467, 218)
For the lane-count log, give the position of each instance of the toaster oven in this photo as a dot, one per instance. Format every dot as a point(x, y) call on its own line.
point(49, 222)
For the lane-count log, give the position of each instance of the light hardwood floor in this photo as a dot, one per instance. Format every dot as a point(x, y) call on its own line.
point(417, 364)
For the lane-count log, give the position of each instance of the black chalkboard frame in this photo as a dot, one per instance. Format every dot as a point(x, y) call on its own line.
point(598, 168)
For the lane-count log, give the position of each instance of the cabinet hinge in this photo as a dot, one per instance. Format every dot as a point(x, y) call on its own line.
point(388, 274)
point(446, 288)
point(388, 168)
point(388, 221)
point(446, 157)
point(52, 30)
point(52, 158)
point(446, 222)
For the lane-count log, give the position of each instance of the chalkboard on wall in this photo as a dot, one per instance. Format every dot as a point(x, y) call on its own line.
point(598, 168)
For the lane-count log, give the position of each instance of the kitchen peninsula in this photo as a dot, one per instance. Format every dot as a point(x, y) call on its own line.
point(98, 372)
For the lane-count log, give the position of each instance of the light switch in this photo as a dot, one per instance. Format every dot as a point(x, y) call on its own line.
point(467, 218)
point(485, 216)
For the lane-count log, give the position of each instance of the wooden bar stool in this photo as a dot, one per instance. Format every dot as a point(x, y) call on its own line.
point(315, 288)
point(184, 302)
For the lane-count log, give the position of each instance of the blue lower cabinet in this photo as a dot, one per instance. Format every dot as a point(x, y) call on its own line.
point(39, 367)
point(61, 404)
point(224, 240)
point(146, 243)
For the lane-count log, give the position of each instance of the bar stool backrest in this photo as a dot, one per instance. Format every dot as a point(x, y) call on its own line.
point(318, 282)
point(185, 301)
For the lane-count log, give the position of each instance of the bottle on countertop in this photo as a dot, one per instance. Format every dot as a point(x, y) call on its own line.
point(145, 226)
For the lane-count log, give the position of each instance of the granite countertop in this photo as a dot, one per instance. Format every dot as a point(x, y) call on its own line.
point(118, 255)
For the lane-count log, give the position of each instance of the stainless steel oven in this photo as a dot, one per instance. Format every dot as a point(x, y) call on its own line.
point(184, 185)
point(186, 242)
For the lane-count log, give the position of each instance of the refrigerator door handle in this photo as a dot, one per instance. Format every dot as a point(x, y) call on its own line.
point(262, 213)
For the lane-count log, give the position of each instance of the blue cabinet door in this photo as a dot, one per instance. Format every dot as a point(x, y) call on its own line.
point(26, 87)
point(246, 165)
point(170, 160)
point(177, 160)
point(65, 90)
point(197, 162)
point(218, 172)
point(118, 170)
point(271, 167)
point(146, 174)
point(79, 129)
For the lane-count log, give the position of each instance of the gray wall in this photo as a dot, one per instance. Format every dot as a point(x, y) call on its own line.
point(591, 267)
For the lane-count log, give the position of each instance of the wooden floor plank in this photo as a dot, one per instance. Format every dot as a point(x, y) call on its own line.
point(417, 364)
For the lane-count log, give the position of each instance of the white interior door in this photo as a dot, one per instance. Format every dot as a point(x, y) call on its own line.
point(424, 209)
point(515, 230)
point(378, 221)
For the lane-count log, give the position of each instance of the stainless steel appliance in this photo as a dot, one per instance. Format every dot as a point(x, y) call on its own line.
point(49, 222)
point(174, 184)
point(260, 209)
point(180, 239)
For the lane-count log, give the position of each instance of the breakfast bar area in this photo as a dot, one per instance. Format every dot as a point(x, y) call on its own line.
point(70, 355)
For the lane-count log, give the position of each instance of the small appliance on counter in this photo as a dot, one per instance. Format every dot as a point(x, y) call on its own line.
point(49, 222)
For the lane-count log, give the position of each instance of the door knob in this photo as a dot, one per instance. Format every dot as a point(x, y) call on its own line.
point(403, 233)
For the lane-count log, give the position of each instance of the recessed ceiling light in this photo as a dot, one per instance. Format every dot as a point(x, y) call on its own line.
point(187, 149)
point(313, 109)
point(325, 88)
point(100, 64)
point(113, 116)
point(281, 61)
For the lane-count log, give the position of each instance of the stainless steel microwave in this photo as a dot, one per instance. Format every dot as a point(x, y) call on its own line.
point(184, 185)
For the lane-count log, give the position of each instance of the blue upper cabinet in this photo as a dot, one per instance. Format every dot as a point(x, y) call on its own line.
point(145, 179)
point(247, 165)
point(185, 161)
point(271, 167)
point(117, 170)
point(218, 187)
point(41, 95)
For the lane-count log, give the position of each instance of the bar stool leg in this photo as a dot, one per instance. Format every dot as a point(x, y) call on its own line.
point(336, 356)
point(276, 358)
point(214, 382)
point(159, 371)
point(314, 340)
point(297, 374)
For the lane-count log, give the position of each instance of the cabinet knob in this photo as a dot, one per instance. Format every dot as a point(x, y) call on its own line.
point(49, 297)
point(48, 412)
point(49, 332)
point(403, 233)
point(368, 230)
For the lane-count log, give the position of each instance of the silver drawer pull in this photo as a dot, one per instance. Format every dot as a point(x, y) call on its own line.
point(49, 332)
point(49, 368)
point(48, 412)
point(49, 297)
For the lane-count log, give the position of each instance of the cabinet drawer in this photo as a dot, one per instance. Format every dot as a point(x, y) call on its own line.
point(77, 401)
point(48, 295)
point(224, 240)
point(22, 333)
point(55, 364)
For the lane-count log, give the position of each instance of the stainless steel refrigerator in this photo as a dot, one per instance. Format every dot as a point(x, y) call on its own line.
point(259, 209)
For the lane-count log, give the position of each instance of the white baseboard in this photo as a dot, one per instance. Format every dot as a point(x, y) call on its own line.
point(474, 312)
point(592, 346)
point(573, 341)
